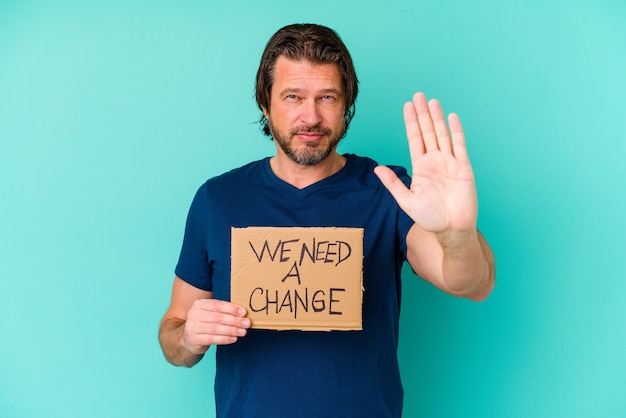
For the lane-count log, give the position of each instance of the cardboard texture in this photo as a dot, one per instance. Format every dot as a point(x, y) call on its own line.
point(308, 279)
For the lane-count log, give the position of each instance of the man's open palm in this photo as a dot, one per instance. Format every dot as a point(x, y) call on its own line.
point(442, 197)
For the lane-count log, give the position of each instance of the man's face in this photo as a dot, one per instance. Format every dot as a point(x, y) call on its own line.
point(306, 114)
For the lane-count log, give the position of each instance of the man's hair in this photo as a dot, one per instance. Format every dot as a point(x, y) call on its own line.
point(306, 42)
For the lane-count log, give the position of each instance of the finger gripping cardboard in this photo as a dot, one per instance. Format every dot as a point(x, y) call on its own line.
point(294, 278)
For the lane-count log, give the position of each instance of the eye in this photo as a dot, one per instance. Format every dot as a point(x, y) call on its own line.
point(291, 97)
point(328, 98)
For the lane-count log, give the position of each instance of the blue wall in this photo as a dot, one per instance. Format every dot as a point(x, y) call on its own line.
point(113, 113)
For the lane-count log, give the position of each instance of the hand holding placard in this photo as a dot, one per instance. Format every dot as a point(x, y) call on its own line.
point(212, 321)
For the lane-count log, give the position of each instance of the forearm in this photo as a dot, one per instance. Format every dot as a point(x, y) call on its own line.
point(172, 340)
point(468, 266)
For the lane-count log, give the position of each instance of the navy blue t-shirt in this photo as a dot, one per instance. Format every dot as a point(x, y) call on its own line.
point(305, 373)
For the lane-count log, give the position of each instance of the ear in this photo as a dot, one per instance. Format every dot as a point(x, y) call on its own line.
point(265, 113)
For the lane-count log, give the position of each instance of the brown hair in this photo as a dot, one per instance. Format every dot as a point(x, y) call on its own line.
point(315, 43)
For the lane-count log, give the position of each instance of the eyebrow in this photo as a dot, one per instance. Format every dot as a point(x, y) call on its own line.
point(299, 90)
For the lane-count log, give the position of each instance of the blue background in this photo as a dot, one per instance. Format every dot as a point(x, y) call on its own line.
point(113, 113)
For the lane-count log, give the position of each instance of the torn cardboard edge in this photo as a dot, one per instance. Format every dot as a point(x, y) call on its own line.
point(299, 278)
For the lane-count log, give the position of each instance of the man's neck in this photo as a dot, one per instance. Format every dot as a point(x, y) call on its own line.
point(301, 176)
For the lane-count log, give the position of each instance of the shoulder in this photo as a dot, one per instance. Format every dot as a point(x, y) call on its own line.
point(366, 165)
point(223, 184)
point(244, 172)
point(244, 175)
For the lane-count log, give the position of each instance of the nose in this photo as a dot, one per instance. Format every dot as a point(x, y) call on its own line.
point(311, 115)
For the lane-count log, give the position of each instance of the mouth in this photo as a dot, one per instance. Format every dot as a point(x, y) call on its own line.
point(309, 136)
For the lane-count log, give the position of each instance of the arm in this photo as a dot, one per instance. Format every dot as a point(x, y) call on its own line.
point(194, 321)
point(444, 246)
point(466, 271)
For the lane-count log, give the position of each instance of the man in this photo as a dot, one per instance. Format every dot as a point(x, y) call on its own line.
point(306, 88)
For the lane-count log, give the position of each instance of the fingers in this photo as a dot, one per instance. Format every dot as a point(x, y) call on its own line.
point(426, 127)
point(441, 130)
point(212, 321)
point(425, 122)
point(458, 138)
point(413, 132)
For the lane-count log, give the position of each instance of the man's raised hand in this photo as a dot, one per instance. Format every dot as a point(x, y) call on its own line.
point(442, 196)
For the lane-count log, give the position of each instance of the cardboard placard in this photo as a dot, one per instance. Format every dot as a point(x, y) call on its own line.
point(308, 279)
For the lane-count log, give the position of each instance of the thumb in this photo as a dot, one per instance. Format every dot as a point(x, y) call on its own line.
point(392, 182)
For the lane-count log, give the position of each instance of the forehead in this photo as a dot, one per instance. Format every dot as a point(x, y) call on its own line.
point(303, 74)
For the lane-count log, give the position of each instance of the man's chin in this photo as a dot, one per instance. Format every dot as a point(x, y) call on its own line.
point(309, 158)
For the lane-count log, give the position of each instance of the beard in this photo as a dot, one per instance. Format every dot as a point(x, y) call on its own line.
point(314, 152)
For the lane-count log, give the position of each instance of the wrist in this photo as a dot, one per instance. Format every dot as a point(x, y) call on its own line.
point(454, 242)
point(191, 348)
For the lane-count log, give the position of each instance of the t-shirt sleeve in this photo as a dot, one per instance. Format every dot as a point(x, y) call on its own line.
point(404, 221)
point(193, 266)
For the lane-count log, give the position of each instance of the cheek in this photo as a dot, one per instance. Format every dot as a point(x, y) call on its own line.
point(335, 118)
point(278, 112)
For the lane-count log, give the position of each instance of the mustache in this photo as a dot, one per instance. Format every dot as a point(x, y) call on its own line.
point(316, 129)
